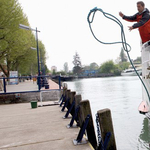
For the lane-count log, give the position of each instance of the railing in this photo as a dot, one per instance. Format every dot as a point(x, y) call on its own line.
point(40, 81)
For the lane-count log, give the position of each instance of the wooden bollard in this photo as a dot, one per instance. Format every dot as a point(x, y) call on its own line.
point(78, 99)
point(64, 94)
point(85, 110)
point(67, 94)
point(72, 97)
point(64, 90)
point(105, 122)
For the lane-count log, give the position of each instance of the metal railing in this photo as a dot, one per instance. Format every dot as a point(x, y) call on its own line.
point(41, 81)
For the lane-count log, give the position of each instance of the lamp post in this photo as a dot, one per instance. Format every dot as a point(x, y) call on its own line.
point(28, 28)
point(40, 57)
point(42, 68)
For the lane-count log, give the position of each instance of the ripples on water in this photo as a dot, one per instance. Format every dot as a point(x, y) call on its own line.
point(122, 95)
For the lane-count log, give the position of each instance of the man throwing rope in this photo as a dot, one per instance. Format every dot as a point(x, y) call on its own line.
point(143, 21)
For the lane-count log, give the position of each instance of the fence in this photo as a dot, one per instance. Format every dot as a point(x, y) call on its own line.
point(40, 83)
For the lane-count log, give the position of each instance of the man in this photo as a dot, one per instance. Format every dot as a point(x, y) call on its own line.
point(143, 21)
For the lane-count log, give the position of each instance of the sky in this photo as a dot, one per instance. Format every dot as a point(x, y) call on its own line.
point(64, 29)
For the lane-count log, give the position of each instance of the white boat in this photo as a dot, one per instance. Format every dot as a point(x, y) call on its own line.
point(145, 105)
point(130, 71)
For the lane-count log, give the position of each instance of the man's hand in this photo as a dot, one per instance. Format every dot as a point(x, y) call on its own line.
point(121, 14)
point(130, 28)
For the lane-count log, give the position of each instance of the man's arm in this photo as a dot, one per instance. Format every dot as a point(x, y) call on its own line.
point(130, 18)
point(143, 20)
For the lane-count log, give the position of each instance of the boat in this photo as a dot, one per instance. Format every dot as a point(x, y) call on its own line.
point(144, 107)
point(131, 72)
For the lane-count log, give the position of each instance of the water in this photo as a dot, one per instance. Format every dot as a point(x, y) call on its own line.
point(122, 95)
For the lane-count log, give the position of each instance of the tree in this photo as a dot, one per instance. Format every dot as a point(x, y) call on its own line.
point(66, 67)
point(108, 67)
point(14, 40)
point(123, 57)
point(15, 43)
point(86, 67)
point(138, 60)
point(94, 66)
point(121, 61)
point(123, 65)
point(77, 69)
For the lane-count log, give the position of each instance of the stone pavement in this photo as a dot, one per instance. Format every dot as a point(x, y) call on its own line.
point(28, 85)
point(42, 128)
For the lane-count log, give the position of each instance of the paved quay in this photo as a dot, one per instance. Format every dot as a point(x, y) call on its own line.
point(29, 85)
point(42, 128)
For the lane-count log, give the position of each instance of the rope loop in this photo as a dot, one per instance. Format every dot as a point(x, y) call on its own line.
point(92, 11)
point(125, 45)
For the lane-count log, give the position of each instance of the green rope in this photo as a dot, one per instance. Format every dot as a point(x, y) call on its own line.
point(125, 45)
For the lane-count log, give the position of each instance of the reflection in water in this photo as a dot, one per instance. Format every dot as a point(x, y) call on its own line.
point(78, 86)
point(144, 137)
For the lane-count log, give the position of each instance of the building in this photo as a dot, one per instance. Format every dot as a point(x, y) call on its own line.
point(54, 69)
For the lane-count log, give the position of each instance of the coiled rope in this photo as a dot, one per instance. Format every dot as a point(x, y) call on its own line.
point(125, 45)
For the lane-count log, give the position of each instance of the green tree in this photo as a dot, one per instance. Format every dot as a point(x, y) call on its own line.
point(94, 66)
point(121, 62)
point(77, 69)
point(138, 60)
point(108, 67)
point(13, 38)
point(15, 43)
point(86, 67)
point(42, 57)
point(123, 65)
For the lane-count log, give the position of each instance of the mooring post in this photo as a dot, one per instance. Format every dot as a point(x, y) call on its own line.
point(68, 94)
point(78, 99)
point(65, 92)
point(85, 110)
point(106, 126)
point(71, 105)
point(64, 96)
point(62, 93)
point(67, 100)
point(75, 111)
point(72, 98)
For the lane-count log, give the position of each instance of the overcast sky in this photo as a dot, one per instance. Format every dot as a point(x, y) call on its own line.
point(65, 30)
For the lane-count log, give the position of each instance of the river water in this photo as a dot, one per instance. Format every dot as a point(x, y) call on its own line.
point(122, 95)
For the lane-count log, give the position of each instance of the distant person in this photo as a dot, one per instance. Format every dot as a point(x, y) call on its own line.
point(34, 79)
point(143, 21)
point(30, 77)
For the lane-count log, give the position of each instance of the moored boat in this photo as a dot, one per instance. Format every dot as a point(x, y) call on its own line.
point(131, 72)
point(145, 105)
